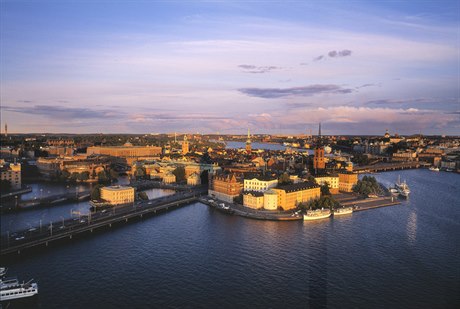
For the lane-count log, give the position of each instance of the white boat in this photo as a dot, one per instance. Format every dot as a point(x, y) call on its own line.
point(343, 211)
point(394, 191)
point(317, 214)
point(402, 187)
point(11, 288)
point(434, 169)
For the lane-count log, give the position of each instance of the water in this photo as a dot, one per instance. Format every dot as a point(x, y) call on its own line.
point(404, 256)
point(27, 219)
point(276, 147)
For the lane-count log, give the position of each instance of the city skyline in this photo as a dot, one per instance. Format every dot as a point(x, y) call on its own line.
point(224, 66)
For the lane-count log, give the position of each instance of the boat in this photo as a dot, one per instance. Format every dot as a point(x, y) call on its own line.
point(343, 211)
point(434, 169)
point(317, 214)
point(402, 187)
point(11, 288)
point(394, 191)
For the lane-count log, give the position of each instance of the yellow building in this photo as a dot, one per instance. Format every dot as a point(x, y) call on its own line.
point(253, 199)
point(12, 173)
point(194, 180)
point(290, 196)
point(125, 151)
point(347, 180)
point(116, 195)
point(331, 180)
point(259, 183)
point(270, 200)
point(169, 178)
point(185, 146)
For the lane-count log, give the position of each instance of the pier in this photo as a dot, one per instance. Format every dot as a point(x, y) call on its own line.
point(42, 236)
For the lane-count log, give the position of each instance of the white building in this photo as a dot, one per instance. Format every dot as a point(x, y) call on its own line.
point(260, 183)
point(116, 195)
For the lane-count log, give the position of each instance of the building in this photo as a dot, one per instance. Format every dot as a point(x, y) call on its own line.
point(270, 200)
point(253, 199)
point(115, 195)
point(248, 143)
point(331, 180)
point(12, 173)
point(404, 156)
point(225, 187)
point(126, 150)
point(49, 167)
point(194, 180)
point(290, 196)
point(259, 183)
point(185, 145)
point(318, 157)
point(60, 142)
point(347, 180)
point(169, 178)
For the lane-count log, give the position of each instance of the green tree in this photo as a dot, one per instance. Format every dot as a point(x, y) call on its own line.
point(102, 177)
point(113, 174)
point(96, 192)
point(74, 176)
point(179, 172)
point(143, 196)
point(284, 179)
point(140, 172)
point(325, 189)
point(83, 176)
point(65, 174)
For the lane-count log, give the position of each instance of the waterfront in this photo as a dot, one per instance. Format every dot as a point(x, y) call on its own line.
point(402, 256)
point(16, 221)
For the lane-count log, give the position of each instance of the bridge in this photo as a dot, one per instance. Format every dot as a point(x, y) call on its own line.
point(67, 229)
point(383, 167)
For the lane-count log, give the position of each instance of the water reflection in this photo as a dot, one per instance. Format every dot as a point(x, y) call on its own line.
point(411, 227)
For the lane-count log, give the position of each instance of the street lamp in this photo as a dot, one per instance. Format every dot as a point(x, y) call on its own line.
point(62, 221)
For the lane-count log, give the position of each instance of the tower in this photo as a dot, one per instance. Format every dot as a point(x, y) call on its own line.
point(185, 149)
point(318, 159)
point(6, 130)
point(248, 143)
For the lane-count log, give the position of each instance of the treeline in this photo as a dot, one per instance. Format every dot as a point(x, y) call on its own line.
point(367, 185)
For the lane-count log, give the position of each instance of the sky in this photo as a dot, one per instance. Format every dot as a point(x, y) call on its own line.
point(358, 67)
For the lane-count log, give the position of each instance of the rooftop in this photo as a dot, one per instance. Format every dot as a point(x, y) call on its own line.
point(298, 186)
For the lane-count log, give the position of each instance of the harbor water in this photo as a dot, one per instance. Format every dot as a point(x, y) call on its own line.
point(404, 256)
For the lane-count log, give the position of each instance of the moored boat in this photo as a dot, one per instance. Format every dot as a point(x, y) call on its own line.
point(343, 211)
point(317, 214)
point(11, 288)
point(402, 187)
point(434, 169)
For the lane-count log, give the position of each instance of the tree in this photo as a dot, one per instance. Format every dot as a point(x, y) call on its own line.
point(102, 177)
point(65, 174)
point(284, 179)
point(113, 174)
point(143, 196)
point(83, 176)
point(325, 189)
point(74, 176)
point(367, 185)
point(96, 192)
point(179, 172)
point(140, 172)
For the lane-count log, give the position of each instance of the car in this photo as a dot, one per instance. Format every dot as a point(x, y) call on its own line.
point(19, 238)
point(104, 211)
point(32, 229)
point(82, 221)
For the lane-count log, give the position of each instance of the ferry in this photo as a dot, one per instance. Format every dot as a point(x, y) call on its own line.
point(317, 214)
point(434, 169)
point(11, 288)
point(343, 211)
point(402, 188)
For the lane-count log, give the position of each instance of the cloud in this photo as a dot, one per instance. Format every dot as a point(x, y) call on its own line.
point(61, 113)
point(270, 93)
point(368, 85)
point(318, 58)
point(248, 68)
point(334, 54)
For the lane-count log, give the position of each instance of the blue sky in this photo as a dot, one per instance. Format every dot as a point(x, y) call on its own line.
point(359, 67)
